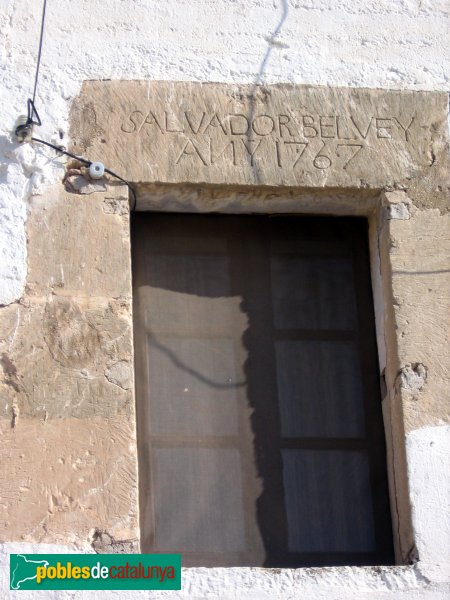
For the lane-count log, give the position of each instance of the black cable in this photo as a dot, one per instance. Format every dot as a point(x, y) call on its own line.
point(24, 130)
point(40, 52)
point(88, 163)
point(62, 151)
point(126, 183)
point(31, 112)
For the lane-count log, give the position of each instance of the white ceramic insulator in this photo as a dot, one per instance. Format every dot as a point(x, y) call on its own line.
point(96, 170)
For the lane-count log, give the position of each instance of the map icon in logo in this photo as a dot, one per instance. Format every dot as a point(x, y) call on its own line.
point(23, 569)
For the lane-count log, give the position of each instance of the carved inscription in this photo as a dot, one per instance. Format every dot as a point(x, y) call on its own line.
point(290, 140)
point(286, 135)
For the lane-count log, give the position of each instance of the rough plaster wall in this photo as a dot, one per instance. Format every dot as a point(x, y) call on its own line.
point(363, 43)
point(367, 43)
point(429, 457)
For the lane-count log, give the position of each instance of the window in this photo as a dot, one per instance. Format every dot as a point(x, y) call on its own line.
point(259, 412)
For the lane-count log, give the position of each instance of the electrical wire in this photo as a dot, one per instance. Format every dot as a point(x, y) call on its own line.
point(24, 130)
point(62, 151)
point(31, 102)
point(88, 163)
point(38, 64)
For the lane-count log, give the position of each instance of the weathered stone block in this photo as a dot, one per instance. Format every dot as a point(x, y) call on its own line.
point(78, 246)
point(278, 135)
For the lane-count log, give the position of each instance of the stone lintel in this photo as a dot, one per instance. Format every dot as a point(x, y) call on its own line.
point(277, 135)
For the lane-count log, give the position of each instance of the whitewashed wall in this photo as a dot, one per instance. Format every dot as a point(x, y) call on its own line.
point(398, 44)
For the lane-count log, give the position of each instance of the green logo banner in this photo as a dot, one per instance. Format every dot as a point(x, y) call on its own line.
point(95, 572)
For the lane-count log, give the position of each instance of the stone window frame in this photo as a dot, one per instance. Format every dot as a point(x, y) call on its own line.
point(379, 208)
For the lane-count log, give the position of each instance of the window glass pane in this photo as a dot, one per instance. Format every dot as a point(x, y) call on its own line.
point(198, 500)
point(187, 292)
point(193, 386)
point(319, 389)
point(328, 501)
point(312, 293)
point(200, 274)
point(252, 374)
